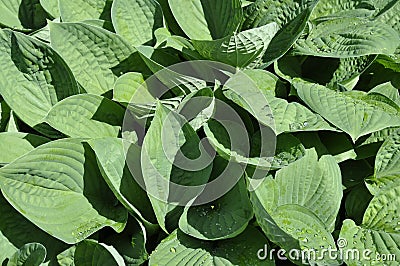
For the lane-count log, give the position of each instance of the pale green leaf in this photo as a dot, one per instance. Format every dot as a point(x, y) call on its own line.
point(82, 47)
point(61, 196)
point(239, 49)
point(33, 76)
point(179, 249)
point(159, 154)
point(378, 244)
point(86, 116)
point(270, 111)
point(387, 160)
point(16, 231)
point(21, 14)
point(79, 10)
point(136, 20)
point(207, 19)
point(14, 145)
point(354, 115)
point(348, 37)
point(51, 7)
point(123, 181)
point(291, 17)
point(131, 88)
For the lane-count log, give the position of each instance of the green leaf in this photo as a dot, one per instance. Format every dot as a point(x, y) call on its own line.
point(207, 19)
point(14, 145)
point(131, 244)
point(303, 225)
point(136, 20)
point(90, 252)
point(131, 88)
point(179, 249)
point(121, 178)
point(390, 15)
point(313, 184)
point(16, 231)
point(61, 196)
point(379, 231)
point(84, 9)
point(86, 116)
point(270, 111)
point(51, 7)
point(36, 72)
point(239, 49)
point(30, 254)
point(21, 14)
point(348, 37)
point(387, 160)
point(159, 155)
point(291, 17)
point(81, 45)
point(355, 116)
point(325, 8)
point(223, 218)
point(377, 242)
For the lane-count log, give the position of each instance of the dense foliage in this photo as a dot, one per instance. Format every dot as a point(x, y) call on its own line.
point(80, 185)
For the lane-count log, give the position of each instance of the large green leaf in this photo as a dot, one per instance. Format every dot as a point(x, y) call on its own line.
point(86, 116)
point(388, 158)
point(79, 10)
point(137, 20)
point(382, 247)
point(158, 157)
point(64, 196)
point(390, 14)
point(14, 145)
point(239, 49)
point(179, 249)
point(298, 209)
point(207, 19)
point(313, 184)
point(83, 48)
point(51, 7)
point(16, 231)
point(303, 225)
point(30, 254)
point(123, 181)
point(223, 218)
point(131, 88)
point(270, 111)
point(349, 37)
point(33, 76)
point(91, 252)
point(22, 14)
point(291, 17)
point(355, 116)
point(343, 8)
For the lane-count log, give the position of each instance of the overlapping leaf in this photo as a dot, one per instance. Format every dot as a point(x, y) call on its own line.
point(70, 201)
point(96, 56)
point(39, 75)
point(136, 20)
point(355, 116)
point(207, 19)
